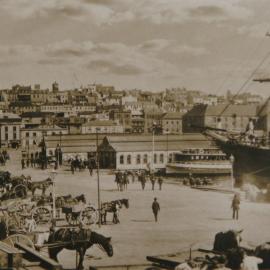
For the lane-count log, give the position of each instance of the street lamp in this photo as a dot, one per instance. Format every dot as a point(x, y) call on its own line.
point(98, 184)
point(53, 174)
point(232, 178)
point(153, 145)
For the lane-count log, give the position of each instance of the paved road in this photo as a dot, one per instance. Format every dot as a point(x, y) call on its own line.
point(188, 217)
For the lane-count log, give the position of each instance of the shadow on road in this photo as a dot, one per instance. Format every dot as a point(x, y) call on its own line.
point(142, 220)
point(221, 218)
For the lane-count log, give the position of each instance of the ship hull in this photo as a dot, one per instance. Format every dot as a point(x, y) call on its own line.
point(201, 169)
point(251, 164)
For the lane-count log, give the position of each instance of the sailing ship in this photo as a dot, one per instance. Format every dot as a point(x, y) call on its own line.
point(251, 158)
point(210, 161)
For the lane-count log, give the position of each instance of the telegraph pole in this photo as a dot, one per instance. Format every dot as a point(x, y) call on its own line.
point(98, 184)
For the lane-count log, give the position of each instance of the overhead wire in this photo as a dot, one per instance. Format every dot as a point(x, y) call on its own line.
point(247, 80)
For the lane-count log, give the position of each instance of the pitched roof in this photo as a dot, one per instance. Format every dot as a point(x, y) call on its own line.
point(100, 123)
point(173, 115)
point(162, 142)
point(229, 110)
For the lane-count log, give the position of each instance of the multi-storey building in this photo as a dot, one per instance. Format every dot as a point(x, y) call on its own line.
point(67, 109)
point(172, 123)
point(123, 117)
point(10, 125)
point(32, 137)
point(225, 116)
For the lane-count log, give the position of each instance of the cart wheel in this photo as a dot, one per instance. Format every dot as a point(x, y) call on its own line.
point(42, 215)
point(20, 191)
point(89, 216)
point(19, 238)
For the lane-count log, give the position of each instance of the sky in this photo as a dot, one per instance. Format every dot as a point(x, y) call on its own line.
point(207, 45)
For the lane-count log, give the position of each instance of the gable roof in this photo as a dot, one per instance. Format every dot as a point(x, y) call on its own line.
point(173, 115)
point(133, 143)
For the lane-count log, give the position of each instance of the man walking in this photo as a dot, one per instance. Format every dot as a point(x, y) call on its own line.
point(155, 208)
point(153, 180)
point(235, 206)
point(23, 164)
point(160, 181)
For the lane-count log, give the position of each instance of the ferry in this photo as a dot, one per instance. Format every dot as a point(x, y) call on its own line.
point(199, 161)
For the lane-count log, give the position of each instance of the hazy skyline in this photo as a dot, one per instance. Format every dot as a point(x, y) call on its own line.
point(208, 45)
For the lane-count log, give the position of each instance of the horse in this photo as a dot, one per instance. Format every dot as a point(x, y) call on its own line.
point(228, 243)
point(68, 199)
point(227, 240)
point(43, 185)
point(112, 207)
point(263, 252)
point(80, 241)
point(5, 177)
point(3, 229)
point(20, 180)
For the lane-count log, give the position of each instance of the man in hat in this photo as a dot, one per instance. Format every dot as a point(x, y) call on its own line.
point(155, 208)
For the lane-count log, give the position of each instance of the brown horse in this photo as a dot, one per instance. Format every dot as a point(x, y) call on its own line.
point(68, 199)
point(43, 185)
point(80, 241)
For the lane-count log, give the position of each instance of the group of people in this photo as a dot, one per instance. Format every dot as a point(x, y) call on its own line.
point(27, 162)
point(81, 164)
point(197, 181)
point(122, 179)
point(4, 156)
point(143, 177)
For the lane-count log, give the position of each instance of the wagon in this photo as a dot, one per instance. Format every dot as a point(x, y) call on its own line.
point(84, 214)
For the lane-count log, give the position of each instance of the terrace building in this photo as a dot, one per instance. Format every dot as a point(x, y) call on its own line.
point(10, 125)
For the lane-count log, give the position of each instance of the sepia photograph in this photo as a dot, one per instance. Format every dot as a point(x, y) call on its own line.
point(134, 134)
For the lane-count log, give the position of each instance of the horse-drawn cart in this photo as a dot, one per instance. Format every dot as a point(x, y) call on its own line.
point(80, 214)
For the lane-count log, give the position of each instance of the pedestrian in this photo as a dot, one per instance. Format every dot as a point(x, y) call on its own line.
point(235, 206)
point(32, 161)
point(143, 180)
point(155, 209)
point(90, 168)
point(27, 163)
point(72, 167)
point(23, 164)
point(160, 182)
point(153, 180)
point(116, 214)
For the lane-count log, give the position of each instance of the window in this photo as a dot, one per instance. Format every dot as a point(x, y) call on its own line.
point(27, 134)
point(129, 159)
point(121, 159)
point(161, 158)
point(6, 129)
point(6, 136)
point(145, 159)
point(155, 158)
point(138, 159)
point(34, 134)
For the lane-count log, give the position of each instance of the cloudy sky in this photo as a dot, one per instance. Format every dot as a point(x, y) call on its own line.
point(209, 45)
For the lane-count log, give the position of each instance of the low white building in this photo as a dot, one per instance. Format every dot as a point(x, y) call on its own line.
point(135, 152)
point(107, 126)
